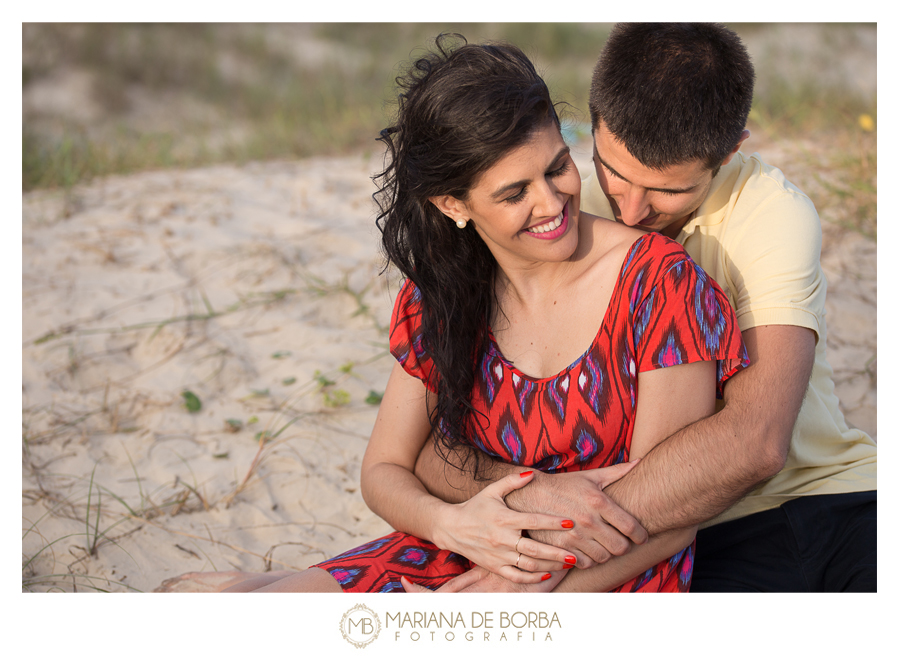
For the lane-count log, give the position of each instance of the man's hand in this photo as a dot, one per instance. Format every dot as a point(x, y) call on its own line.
point(602, 528)
point(482, 580)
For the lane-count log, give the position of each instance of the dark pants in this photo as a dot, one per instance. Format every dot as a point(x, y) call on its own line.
point(823, 543)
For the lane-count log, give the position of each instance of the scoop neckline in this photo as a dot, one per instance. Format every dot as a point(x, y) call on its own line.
point(495, 348)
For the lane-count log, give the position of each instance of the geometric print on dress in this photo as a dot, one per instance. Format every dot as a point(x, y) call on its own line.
point(557, 393)
point(643, 580)
point(378, 566)
point(643, 316)
point(591, 384)
point(626, 370)
point(509, 435)
point(407, 347)
point(671, 351)
point(491, 376)
point(637, 289)
point(348, 577)
point(524, 389)
point(709, 313)
point(549, 464)
point(684, 561)
point(416, 557)
point(586, 442)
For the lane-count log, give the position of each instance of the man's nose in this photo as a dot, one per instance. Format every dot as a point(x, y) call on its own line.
point(633, 206)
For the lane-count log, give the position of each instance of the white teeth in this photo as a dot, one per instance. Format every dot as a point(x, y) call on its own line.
point(549, 226)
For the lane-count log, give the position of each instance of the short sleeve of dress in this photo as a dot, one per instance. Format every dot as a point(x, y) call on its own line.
point(406, 334)
point(685, 317)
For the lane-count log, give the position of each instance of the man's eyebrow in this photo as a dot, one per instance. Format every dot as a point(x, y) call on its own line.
point(519, 183)
point(668, 190)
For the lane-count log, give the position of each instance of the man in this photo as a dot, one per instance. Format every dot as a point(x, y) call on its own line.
point(784, 491)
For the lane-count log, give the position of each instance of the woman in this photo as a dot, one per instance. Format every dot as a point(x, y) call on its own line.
point(496, 337)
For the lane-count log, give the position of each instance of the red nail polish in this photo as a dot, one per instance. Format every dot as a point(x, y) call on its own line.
point(568, 524)
point(545, 576)
point(568, 566)
point(570, 559)
point(525, 474)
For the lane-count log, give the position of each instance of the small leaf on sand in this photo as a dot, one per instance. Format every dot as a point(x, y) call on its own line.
point(374, 397)
point(191, 402)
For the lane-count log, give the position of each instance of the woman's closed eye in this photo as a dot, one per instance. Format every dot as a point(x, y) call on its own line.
point(554, 173)
point(562, 169)
point(518, 196)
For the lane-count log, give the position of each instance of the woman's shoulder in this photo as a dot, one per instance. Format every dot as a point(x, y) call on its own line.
point(629, 245)
point(609, 240)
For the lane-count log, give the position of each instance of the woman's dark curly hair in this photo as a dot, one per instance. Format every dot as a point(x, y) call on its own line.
point(462, 108)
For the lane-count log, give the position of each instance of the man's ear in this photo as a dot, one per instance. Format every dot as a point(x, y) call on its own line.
point(744, 136)
point(451, 207)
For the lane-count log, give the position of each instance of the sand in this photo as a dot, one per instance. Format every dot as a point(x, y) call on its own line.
point(255, 289)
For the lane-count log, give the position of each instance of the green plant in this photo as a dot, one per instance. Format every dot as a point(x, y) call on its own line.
point(191, 402)
point(331, 396)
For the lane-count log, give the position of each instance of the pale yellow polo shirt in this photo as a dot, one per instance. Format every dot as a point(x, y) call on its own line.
point(759, 237)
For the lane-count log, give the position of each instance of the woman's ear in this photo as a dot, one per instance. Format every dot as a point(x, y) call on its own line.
point(452, 207)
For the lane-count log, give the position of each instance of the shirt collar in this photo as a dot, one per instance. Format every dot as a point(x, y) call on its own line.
point(714, 207)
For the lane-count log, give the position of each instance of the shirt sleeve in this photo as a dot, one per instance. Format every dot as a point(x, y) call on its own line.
point(686, 318)
point(406, 334)
point(774, 264)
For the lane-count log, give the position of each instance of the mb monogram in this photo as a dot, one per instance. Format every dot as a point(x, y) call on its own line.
point(360, 625)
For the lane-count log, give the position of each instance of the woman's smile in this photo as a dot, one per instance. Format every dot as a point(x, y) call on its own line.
point(553, 228)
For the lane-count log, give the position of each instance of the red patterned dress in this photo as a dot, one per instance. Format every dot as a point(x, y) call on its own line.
point(664, 311)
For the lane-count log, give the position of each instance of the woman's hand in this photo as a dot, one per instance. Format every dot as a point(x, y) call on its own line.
point(487, 532)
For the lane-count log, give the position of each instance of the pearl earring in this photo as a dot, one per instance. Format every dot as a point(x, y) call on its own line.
point(461, 223)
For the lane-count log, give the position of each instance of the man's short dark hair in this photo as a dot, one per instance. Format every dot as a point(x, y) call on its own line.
point(673, 92)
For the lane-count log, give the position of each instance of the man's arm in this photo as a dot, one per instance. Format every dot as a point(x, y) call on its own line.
point(449, 480)
point(694, 475)
point(707, 467)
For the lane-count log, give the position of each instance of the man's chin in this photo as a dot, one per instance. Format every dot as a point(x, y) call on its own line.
point(646, 229)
